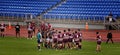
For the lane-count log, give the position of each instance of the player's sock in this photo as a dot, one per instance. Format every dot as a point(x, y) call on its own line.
point(45, 45)
point(69, 46)
point(79, 46)
point(38, 47)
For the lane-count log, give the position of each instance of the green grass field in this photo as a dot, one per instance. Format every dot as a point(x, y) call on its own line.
point(22, 46)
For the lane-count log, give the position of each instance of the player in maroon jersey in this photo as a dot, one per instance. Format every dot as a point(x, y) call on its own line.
point(55, 37)
point(60, 40)
point(80, 38)
point(49, 26)
point(33, 27)
point(99, 40)
point(42, 27)
point(65, 39)
point(30, 30)
point(70, 41)
point(49, 35)
point(76, 40)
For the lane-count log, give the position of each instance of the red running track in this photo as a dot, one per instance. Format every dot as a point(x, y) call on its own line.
point(87, 34)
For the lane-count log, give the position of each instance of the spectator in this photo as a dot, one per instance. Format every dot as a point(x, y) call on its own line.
point(109, 37)
point(17, 29)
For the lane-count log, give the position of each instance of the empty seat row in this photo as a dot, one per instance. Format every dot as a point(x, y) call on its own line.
point(25, 7)
point(85, 8)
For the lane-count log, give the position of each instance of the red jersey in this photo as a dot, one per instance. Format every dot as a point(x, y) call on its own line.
point(98, 38)
point(79, 35)
point(55, 36)
point(65, 36)
point(76, 37)
point(49, 26)
point(60, 37)
point(33, 25)
point(42, 26)
point(70, 36)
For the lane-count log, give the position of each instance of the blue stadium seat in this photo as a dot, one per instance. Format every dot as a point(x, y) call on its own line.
point(84, 9)
point(22, 7)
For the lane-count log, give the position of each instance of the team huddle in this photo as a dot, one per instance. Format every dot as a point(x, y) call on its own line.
point(65, 39)
point(62, 39)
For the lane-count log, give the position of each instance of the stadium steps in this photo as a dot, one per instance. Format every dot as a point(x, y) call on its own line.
point(54, 6)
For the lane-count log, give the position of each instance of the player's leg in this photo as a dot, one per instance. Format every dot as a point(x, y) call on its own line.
point(19, 33)
point(31, 34)
point(60, 45)
point(80, 44)
point(39, 48)
point(112, 40)
point(107, 41)
point(2, 33)
point(98, 46)
point(76, 45)
point(67, 45)
point(16, 33)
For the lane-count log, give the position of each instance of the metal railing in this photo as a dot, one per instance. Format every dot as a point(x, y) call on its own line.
point(16, 16)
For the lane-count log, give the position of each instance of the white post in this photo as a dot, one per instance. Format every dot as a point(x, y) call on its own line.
point(26, 16)
point(31, 16)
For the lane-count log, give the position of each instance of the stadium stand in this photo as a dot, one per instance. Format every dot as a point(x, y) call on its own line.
point(24, 8)
point(85, 10)
point(71, 9)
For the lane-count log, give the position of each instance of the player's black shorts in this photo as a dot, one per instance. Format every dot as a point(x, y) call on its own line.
point(70, 39)
point(2, 30)
point(29, 32)
point(54, 40)
point(77, 42)
point(38, 41)
point(17, 31)
point(43, 34)
point(33, 30)
point(80, 40)
point(99, 42)
point(65, 40)
point(60, 42)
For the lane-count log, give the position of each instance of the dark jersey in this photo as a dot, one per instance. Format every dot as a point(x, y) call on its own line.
point(17, 27)
point(109, 35)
